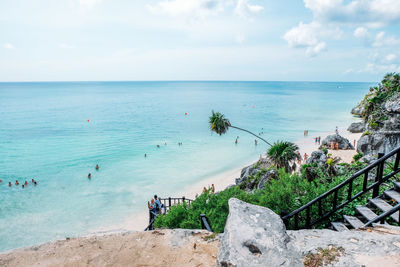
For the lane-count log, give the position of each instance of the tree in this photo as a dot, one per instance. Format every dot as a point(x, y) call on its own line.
point(282, 154)
point(220, 124)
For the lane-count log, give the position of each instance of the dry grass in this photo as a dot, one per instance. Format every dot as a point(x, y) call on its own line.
point(323, 256)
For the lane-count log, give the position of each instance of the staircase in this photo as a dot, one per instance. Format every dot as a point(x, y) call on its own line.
point(369, 213)
point(331, 203)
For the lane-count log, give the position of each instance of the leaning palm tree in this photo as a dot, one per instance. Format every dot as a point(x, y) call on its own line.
point(220, 125)
point(282, 153)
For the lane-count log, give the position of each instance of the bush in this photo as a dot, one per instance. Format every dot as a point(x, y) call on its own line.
point(366, 133)
point(358, 156)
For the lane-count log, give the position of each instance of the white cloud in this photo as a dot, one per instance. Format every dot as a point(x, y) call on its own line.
point(382, 40)
point(66, 46)
point(390, 57)
point(8, 46)
point(361, 33)
point(308, 36)
point(244, 8)
point(198, 8)
point(88, 3)
point(374, 13)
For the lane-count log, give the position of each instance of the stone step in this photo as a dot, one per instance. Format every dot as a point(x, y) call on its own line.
point(384, 206)
point(338, 226)
point(366, 213)
point(353, 221)
point(397, 186)
point(392, 194)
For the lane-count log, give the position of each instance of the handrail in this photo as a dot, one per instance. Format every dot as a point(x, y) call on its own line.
point(205, 223)
point(382, 217)
point(166, 205)
point(379, 179)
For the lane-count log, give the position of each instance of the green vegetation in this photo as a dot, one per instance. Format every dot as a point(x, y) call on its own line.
point(284, 194)
point(282, 154)
point(220, 124)
point(366, 133)
point(358, 156)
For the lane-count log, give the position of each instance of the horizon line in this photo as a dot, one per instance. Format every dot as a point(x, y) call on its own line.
point(105, 81)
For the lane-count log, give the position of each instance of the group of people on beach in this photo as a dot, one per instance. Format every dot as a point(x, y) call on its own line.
point(90, 174)
point(10, 184)
point(210, 189)
point(300, 158)
point(318, 140)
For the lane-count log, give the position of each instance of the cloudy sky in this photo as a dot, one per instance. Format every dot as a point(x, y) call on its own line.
point(286, 40)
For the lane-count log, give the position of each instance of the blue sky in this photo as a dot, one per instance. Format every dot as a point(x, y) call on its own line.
point(286, 40)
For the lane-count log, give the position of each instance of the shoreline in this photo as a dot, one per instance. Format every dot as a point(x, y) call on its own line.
point(138, 221)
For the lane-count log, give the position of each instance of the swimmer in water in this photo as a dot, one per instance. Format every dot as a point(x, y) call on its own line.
point(26, 182)
point(97, 167)
point(23, 186)
point(9, 184)
point(145, 155)
point(35, 183)
point(16, 182)
point(158, 146)
point(89, 175)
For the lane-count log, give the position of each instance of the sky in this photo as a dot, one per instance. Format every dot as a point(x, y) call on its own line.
point(255, 40)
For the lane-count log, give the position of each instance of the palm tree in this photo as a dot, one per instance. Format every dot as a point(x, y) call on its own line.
point(220, 125)
point(282, 153)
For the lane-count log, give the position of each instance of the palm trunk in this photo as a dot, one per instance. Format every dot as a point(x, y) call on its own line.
point(252, 134)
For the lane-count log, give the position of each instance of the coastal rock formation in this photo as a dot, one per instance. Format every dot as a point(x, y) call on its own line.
point(336, 138)
point(248, 180)
point(319, 157)
point(266, 177)
point(356, 127)
point(255, 236)
point(380, 111)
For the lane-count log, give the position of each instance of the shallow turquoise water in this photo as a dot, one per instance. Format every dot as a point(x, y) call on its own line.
point(44, 134)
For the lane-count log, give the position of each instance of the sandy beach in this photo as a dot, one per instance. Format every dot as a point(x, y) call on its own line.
point(306, 145)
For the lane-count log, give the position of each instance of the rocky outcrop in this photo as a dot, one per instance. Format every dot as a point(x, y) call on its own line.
point(252, 175)
point(255, 236)
point(319, 157)
point(266, 177)
point(356, 127)
point(336, 138)
point(380, 110)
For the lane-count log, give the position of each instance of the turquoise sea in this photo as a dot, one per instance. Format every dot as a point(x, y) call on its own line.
point(45, 134)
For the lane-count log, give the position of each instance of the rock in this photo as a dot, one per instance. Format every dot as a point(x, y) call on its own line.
point(246, 180)
point(393, 104)
point(255, 236)
point(269, 175)
point(359, 109)
point(336, 138)
point(356, 127)
point(378, 142)
point(318, 157)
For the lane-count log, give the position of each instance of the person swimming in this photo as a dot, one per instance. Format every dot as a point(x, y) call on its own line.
point(89, 175)
point(35, 183)
point(23, 186)
point(255, 141)
point(158, 146)
point(9, 184)
point(26, 182)
point(16, 182)
point(145, 155)
point(97, 167)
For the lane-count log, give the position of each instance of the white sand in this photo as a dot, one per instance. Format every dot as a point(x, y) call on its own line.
point(307, 144)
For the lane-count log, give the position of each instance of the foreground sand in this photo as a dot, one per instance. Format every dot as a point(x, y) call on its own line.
point(155, 248)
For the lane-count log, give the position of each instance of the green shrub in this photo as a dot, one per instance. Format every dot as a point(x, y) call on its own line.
point(358, 156)
point(366, 133)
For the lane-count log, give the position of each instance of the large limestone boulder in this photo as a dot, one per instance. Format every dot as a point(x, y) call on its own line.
point(246, 179)
point(336, 138)
point(356, 127)
point(318, 157)
point(379, 142)
point(255, 236)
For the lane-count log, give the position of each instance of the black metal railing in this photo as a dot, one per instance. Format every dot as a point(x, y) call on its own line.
point(205, 224)
point(381, 218)
point(167, 204)
point(325, 205)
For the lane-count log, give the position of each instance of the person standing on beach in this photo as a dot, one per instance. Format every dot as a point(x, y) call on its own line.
point(255, 142)
point(212, 189)
point(319, 140)
point(337, 146)
point(337, 130)
point(158, 204)
point(332, 145)
point(305, 157)
point(299, 158)
point(152, 209)
point(354, 143)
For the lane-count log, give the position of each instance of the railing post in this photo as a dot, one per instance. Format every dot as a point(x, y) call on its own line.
point(397, 161)
point(296, 221)
point(350, 190)
point(169, 202)
point(365, 180)
point(335, 196)
point(285, 221)
point(378, 177)
point(183, 199)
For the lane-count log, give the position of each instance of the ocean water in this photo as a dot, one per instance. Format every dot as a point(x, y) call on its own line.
point(57, 132)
